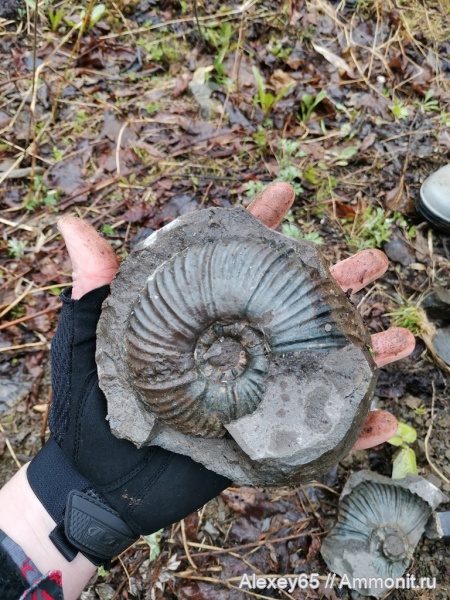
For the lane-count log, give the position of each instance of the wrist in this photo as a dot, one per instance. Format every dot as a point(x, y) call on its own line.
point(25, 520)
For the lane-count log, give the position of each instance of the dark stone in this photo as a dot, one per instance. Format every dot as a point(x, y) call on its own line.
point(9, 9)
point(219, 276)
point(399, 251)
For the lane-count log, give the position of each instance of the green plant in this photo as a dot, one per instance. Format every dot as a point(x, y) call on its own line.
point(41, 195)
point(288, 171)
point(341, 156)
point(371, 228)
point(404, 462)
point(220, 38)
point(411, 317)
point(55, 18)
point(57, 154)
point(50, 198)
point(108, 230)
point(429, 103)
point(18, 311)
point(290, 229)
point(260, 137)
point(287, 149)
point(17, 247)
point(152, 107)
point(399, 110)
point(445, 118)
point(253, 188)
point(162, 50)
point(281, 51)
point(290, 174)
point(88, 20)
point(266, 100)
point(309, 103)
point(153, 540)
point(81, 117)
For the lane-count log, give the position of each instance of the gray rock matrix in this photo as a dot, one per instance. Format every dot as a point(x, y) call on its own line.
point(316, 373)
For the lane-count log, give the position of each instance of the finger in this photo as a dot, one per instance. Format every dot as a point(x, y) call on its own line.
point(93, 260)
point(272, 204)
point(359, 270)
point(379, 427)
point(391, 345)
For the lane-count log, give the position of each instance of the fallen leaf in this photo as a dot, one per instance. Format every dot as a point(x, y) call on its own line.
point(181, 84)
point(338, 63)
point(343, 211)
point(66, 176)
point(191, 526)
point(314, 548)
point(280, 80)
point(4, 119)
point(139, 212)
point(113, 127)
point(368, 141)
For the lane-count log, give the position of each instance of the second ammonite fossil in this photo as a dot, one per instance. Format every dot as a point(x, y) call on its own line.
point(231, 343)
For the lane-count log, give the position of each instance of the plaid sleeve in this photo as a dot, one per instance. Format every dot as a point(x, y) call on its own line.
point(21, 580)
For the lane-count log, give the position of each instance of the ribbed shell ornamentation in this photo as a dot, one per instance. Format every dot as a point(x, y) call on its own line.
point(380, 523)
point(231, 343)
point(201, 333)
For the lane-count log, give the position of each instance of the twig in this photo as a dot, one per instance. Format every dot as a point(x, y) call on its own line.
point(321, 485)
point(185, 545)
point(5, 174)
point(15, 278)
point(122, 584)
point(118, 144)
point(127, 574)
point(31, 345)
point(427, 439)
point(24, 172)
point(16, 301)
point(10, 448)
point(218, 17)
point(27, 318)
point(45, 419)
point(16, 225)
point(251, 545)
point(197, 23)
point(36, 291)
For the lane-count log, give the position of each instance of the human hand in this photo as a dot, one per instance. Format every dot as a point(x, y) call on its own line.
point(137, 484)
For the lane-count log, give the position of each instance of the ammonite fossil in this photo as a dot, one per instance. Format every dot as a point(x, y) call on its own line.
point(380, 523)
point(231, 343)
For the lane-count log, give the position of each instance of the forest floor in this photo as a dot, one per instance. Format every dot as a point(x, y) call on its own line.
point(138, 112)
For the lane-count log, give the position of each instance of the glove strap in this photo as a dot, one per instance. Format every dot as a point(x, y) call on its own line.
point(84, 522)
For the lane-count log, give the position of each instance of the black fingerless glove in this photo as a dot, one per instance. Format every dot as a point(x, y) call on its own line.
point(103, 492)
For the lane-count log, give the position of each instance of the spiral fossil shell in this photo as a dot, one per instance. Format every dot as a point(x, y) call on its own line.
point(226, 341)
point(222, 300)
point(380, 523)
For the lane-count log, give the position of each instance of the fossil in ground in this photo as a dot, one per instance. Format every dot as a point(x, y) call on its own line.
point(228, 342)
point(380, 523)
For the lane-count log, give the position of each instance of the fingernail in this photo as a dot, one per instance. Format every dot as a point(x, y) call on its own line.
point(272, 204)
point(391, 345)
point(379, 427)
point(359, 270)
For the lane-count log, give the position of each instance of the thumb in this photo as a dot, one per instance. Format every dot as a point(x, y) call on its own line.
point(93, 260)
